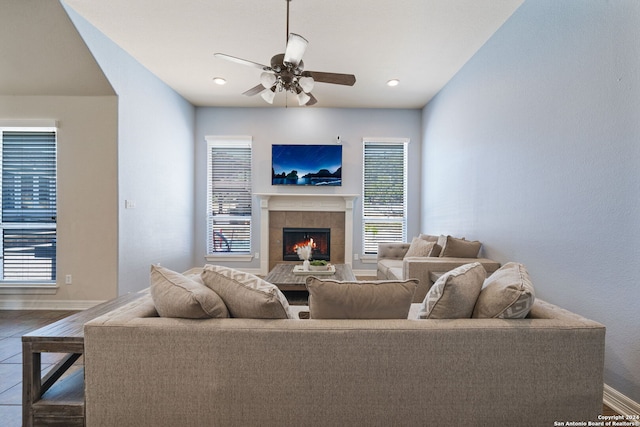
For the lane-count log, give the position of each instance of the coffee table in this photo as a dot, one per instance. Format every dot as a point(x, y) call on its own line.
point(283, 277)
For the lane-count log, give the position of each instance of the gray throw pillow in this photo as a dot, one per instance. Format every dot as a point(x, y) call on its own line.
point(507, 294)
point(454, 294)
point(246, 295)
point(175, 295)
point(383, 299)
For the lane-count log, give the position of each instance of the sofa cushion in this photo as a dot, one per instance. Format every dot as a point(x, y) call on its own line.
point(395, 273)
point(460, 248)
point(390, 268)
point(507, 294)
point(175, 295)
point(454, 294)
point(385, 299)
point(420, 248)
point(245, 294)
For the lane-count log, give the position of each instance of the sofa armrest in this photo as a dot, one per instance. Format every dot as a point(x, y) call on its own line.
point(393, 250)
point(421, 268)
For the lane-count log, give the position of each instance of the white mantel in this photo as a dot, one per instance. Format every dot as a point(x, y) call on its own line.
point(304, 202)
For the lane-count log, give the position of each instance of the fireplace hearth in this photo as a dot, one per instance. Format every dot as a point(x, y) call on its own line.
point(318, 238)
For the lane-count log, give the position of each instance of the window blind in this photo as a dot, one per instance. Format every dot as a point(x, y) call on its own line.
point(229, 198)
point(29, 200)
point(384, 193)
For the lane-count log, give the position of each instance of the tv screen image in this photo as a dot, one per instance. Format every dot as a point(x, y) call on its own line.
point(318, 165)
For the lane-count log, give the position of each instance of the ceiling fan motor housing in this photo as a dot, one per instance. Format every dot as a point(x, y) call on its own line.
point(286, 74)
point(289, 75)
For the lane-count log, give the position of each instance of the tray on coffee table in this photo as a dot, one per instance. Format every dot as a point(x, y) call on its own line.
point(284, 278)
point(299, 270)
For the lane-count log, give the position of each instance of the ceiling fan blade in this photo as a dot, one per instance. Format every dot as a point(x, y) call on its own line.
point(254, 90)
point(312, 101)
point(335, 78)
point(242, 61)
point(296, 45)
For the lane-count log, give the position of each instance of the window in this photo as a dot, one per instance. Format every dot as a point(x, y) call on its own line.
point(28, 205)
point(384, 204)
point(228, 195)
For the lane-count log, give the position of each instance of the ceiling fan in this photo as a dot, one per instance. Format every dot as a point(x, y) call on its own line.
point(286, 72)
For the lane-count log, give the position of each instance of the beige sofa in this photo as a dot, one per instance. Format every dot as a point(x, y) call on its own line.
point(393, 265)
point(144, 370)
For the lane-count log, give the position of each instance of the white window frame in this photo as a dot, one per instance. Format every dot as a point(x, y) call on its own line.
point(234, 141)
point(390, 218)
point(6, 285)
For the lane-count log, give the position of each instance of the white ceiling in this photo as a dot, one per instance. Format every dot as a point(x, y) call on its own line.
point(421, 42)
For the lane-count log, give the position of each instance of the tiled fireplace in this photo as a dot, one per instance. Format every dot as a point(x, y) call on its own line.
point(319, 239)
point(333, 212)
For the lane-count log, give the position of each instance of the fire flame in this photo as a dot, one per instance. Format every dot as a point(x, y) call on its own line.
point(309, 242)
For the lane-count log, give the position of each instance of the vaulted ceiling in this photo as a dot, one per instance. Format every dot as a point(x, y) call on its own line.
point(423, 43)
point(43, 54)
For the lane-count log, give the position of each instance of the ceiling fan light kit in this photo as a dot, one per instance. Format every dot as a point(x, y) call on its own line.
point(286, 72)
point(269, 95)
point(303, 98)
point(267, 80)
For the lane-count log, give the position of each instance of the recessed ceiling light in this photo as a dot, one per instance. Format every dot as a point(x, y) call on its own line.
point(220, 81)
point(393, 82)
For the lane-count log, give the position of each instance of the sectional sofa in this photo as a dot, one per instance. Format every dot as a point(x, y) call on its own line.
point(145, 370)
point(397, 261)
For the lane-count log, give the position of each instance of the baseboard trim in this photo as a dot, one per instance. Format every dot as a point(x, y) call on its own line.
point(619, 402)
point(47, 305)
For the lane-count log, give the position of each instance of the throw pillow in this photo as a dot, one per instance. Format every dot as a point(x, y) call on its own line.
point(507, 294)
point(419, 247)
point(435, 252)
point(384, 299)
point(175, 295)
point(454, 294)
point(441, 243)
point(460, 248)
point(246, 295)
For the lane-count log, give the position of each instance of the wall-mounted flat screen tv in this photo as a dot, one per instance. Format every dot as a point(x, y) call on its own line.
point(306, 164)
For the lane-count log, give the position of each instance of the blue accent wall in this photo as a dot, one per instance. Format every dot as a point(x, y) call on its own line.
point(534, 149)
point(155, 164)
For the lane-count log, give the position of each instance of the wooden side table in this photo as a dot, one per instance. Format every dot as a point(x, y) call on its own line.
point(45, 402)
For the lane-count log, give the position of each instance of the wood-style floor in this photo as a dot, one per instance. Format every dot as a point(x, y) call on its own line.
point(14, 324)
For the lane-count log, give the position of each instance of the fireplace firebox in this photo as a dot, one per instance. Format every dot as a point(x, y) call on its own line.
point(318, 238)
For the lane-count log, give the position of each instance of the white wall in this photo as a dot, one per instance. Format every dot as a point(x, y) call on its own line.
point(533, 148)
point(155, 165)
point(270, 126)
